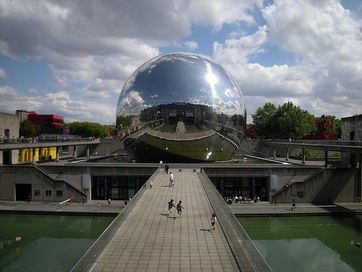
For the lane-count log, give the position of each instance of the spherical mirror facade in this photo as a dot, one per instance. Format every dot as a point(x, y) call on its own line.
point(180, 107)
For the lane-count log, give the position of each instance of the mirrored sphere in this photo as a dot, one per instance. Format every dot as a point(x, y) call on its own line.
point(180, 107)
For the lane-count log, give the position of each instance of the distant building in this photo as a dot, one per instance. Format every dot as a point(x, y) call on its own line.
point(351, 128)
point(9, 129)
point(46, 123)
point(22, 114)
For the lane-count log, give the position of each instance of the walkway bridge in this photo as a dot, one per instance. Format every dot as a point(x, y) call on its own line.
point(144, 238)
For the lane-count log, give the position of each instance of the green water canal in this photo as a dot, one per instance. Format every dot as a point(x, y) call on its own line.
point(312, 243)
point(46, 242)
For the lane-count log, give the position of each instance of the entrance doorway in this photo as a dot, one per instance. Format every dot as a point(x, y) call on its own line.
point(23, 191)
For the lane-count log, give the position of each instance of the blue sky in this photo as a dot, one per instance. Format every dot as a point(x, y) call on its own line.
point(72, 58)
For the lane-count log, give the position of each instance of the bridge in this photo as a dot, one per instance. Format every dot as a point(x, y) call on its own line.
point(145, 237)
point(351, 147)
point(31, 149)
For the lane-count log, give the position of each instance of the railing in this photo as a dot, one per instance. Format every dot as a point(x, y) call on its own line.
point(90, 258)
point(43, 140)
point(243, 248)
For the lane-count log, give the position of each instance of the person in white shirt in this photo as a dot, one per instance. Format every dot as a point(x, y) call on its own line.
point(171, 182)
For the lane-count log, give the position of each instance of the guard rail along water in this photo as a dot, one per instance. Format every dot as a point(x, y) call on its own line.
point(90, 258)
point(243, 248)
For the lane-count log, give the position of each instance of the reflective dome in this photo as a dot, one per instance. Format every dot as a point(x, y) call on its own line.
point(180, 98)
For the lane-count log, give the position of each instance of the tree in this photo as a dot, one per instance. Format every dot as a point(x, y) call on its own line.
point(27, 128)
point(293, 122)
point(88, 129)
point(286, 121)
point(264, 121)
point(123, 121)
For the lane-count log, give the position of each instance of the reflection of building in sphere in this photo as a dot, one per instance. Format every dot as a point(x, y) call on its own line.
point(180, 107)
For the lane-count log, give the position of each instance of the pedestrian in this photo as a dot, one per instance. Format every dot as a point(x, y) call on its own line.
point(293, 205)
point(179, 208)
point(170, 206)
point(98, 206)
point(109, 201)
point(171, 181)
point(213, 221)
point(166, 168)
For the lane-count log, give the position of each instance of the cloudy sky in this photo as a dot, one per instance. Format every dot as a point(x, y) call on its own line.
point(72, 58)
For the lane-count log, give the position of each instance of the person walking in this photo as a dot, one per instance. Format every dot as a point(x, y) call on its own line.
point(170, 206)
point(179, 208)
point(166, 168)
point(171, 182)
point(213, 221)
point(293, 205)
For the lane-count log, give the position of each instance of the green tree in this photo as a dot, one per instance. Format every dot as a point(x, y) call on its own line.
point(27, 128)
point(336, 125)
point(293, 122)
point(264, 121)
point(286, 121)
point(123, 121)
point(88, 129)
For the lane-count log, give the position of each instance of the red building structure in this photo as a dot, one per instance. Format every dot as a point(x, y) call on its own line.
point(46, 123)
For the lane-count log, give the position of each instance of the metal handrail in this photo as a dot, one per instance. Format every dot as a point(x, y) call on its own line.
point(90, 258)
point(246, 254)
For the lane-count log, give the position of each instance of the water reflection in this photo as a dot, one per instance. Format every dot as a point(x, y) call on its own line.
point(308, 243)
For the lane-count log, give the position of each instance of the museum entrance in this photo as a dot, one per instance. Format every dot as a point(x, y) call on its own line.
point(23, 192)
point(116, 187)
point(250, 187)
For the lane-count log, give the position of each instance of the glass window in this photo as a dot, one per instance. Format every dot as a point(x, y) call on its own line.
point(59, 193)
point(48, 193)
point(36, 192)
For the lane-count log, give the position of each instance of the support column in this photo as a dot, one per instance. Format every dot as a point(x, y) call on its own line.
point(303, 156)
point(87, 151)
point(58, 154)
point(287, 157)
point(1, 157)
point(274, 154)
point(359, 177)
point(75, 152)
point(325, 158)
point(33, 160)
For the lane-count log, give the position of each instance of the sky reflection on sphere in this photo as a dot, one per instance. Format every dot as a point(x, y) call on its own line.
point(180, 78)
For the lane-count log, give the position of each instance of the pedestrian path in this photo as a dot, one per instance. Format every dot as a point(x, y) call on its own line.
point(149, 240)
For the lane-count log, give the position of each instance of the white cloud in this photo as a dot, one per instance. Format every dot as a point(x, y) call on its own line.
point(60, 103)
point(217, 13)
point(2, 74)
point(327, 43)
point(191, 45)
point(100, 44)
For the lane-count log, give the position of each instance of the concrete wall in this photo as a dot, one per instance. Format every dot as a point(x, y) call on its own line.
point(9, 122)
point(12, 175)
point(324, 187)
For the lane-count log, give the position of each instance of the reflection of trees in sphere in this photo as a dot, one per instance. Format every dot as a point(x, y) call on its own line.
point(181, 98)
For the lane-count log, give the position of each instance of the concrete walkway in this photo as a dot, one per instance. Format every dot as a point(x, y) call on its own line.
point(149, 240)
point(91, 207)
point(269, 209)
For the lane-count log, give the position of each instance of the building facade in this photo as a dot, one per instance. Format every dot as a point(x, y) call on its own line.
point(9, 129)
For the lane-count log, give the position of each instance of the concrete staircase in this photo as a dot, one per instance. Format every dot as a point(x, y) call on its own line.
point(53, 179)
point(324, 186)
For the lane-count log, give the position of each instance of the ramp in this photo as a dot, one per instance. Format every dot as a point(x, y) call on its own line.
point(149, 240)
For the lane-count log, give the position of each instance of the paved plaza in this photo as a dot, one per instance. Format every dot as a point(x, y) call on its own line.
point(150, 240)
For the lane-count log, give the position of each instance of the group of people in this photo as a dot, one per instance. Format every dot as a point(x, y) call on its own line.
point(179, 208)
point(242, 199)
